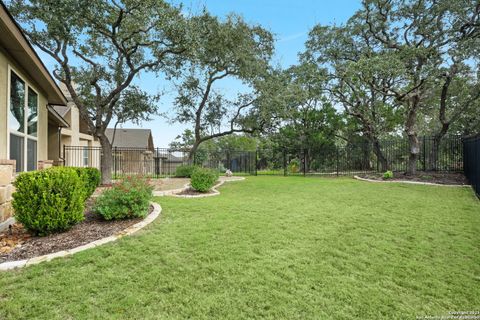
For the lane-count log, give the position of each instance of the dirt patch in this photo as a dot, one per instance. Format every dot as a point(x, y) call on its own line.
point(193, 192)
point(169, 183)
point(430, 177)
point(18, 244)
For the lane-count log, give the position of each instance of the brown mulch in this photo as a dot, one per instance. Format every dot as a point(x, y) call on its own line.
point(430, 177)
point(18, 244)
point(168, 183)
point(193, 192)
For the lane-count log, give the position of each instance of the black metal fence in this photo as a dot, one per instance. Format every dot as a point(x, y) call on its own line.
point(155, 163)
point(471, 148)
point(326, 159)
point(360, 157)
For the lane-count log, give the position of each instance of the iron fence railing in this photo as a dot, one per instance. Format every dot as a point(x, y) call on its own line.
point(471, 148)
point(326, 159)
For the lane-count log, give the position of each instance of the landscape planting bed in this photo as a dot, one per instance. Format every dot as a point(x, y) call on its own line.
point(427, 177)
point(18, 244)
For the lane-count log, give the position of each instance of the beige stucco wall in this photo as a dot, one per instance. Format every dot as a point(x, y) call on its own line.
point(42, 144)
point(3, 105)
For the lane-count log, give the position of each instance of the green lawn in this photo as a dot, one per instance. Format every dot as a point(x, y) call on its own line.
point(275, 248)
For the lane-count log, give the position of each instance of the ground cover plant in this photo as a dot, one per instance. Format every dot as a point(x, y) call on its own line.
point(274, 248)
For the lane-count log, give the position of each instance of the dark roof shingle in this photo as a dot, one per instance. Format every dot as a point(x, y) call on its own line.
point(129, 138)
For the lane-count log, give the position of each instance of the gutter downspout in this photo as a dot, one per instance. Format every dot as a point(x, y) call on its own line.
point(59, 137)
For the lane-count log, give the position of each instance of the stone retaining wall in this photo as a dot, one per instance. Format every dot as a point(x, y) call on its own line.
point(7, 174)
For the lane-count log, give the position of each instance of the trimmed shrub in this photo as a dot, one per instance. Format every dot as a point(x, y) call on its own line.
point(203, 179)
point(388, 175)
point(49, 201)
point(91, 179)
point(129, 198)
point(184, 171)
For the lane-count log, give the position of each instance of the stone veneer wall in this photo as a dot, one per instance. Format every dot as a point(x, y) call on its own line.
point(7, 174)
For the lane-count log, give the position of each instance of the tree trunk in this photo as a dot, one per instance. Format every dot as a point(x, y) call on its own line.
point(414, 151)
point(191, 155)
point(414, 148)
point(106, 161)
point(379, 154)
point(437, 139)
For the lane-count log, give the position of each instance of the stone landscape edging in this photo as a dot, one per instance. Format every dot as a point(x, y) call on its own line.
point(173, 193)
point(9, 265)
point(413, 182)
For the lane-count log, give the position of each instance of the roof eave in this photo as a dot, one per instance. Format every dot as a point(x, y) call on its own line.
point(31, 61)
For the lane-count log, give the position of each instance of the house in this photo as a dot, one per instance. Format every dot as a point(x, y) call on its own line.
point(27, 96)
point(130, 138)
point(73, 145)
point(133, 150)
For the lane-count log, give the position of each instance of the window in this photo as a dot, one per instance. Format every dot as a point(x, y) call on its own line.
point(85, 156)
point(22, 121)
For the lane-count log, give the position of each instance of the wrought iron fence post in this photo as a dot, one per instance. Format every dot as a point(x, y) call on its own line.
point(337, 159)
point(424, 154)
point(115, 156)
point(304, 162)
point(284, 162)
point(256, 162)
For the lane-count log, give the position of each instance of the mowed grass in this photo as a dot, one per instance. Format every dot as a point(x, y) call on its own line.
point(273, 248)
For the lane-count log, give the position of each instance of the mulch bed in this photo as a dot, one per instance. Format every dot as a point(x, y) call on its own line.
point(430, 177)
point(18, 244)
point(193, 192)
point(168, 183)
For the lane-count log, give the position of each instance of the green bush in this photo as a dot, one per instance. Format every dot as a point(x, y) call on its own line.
point(91, 179)
point(129, 198)
point(203, 179)
point(388, 175)
point(184, 171)
point(49, 201)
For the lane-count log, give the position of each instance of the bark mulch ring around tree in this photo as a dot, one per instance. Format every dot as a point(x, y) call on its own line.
point(429, 177)
point(18, 244)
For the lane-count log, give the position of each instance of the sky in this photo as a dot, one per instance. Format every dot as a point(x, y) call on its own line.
point(290, 22)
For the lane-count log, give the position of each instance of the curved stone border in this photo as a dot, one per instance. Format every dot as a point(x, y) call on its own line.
point(157, 209)
point(173, 193)
point(170, 192)
point(414, 182)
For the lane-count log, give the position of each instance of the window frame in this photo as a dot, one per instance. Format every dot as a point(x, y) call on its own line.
point(86, 156)
point(24, 135)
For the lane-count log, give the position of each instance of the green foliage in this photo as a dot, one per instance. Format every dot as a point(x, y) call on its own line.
point(127, 199)
point(203, 179)
point(230, 50)
point(50, 200)
point(100, 48)
point(294, 166)
point(90, 178)
point(184, 171)
point(388, 175)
